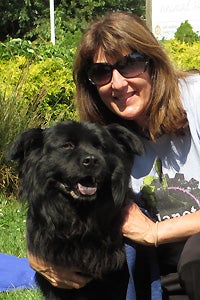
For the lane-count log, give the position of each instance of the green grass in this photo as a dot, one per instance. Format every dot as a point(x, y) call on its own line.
point(12, 241)
point(21, 295)
point(12, 227)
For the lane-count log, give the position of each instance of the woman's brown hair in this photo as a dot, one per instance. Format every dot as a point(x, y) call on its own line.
point(113, 34)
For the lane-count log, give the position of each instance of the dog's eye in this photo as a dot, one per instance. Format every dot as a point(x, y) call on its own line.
point(68, 145)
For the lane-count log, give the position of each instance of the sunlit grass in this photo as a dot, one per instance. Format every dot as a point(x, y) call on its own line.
point(12, 227)
point(12, 241)
point(21, 295)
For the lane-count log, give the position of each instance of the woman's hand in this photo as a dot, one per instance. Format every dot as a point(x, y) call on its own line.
point(138, 227)
point(58, 276)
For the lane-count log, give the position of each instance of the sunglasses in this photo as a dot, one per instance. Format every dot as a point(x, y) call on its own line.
point(130, 66)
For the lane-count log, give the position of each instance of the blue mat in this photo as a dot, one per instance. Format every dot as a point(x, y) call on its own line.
point(15, 273)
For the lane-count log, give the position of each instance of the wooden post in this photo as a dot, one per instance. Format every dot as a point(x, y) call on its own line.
point(149, 14)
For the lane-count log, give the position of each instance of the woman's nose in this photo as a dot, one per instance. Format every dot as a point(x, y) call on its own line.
point(118, 81)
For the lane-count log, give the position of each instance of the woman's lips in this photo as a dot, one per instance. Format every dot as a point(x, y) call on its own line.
point(124, 97)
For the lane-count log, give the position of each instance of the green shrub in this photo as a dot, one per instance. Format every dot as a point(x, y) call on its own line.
point(49, 79)
point(32, 93)
point(185, 33)
point(185, 56)
point(39, 49)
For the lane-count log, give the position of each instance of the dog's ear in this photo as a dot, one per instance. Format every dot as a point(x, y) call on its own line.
point(130, 145)
point(25, 143)
point(129, 140)
point(120, 182)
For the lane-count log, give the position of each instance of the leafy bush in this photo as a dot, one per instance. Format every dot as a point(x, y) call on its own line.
point(40, 49)
point(185, 33)
point(33, 92)
point(49, 78)
point(185, 56)
point(16, 114)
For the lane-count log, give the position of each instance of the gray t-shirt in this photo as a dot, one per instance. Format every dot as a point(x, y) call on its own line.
point(167, 177)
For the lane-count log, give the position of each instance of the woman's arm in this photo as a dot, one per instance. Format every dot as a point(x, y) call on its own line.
point(139, 228)
point(58, 276)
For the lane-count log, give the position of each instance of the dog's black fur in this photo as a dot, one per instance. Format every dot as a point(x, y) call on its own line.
point(75, 177)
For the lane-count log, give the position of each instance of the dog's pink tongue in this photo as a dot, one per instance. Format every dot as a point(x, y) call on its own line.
point(87, 190)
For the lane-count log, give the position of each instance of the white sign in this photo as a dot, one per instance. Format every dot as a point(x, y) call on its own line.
point(167, 16)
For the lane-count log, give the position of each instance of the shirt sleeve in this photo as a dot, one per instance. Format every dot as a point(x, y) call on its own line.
point(190, 93)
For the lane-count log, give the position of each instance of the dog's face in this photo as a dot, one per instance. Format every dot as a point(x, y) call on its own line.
point(81, 160)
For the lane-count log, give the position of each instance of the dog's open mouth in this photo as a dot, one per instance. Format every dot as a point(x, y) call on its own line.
point(84, 187)
point(87, 186)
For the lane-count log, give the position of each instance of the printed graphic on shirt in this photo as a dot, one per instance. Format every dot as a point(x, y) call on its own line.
point(167, 198)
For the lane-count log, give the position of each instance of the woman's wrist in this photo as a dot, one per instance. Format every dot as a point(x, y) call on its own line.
point(150, 237)
point(156, 234)
point(178, 228)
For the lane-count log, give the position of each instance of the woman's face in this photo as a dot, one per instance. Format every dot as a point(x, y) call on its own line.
point(129, 98)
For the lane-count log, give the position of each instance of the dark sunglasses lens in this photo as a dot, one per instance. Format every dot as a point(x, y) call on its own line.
point(100, 74)
point(132, 67)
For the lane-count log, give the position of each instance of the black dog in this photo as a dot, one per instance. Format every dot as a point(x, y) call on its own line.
point(75, 177)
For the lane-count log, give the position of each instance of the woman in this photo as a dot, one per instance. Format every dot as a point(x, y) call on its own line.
point(123, 75)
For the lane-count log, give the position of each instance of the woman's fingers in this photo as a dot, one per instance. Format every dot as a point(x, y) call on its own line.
point(62, 277)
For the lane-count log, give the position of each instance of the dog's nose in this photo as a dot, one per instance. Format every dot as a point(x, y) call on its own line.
point(89, 161)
